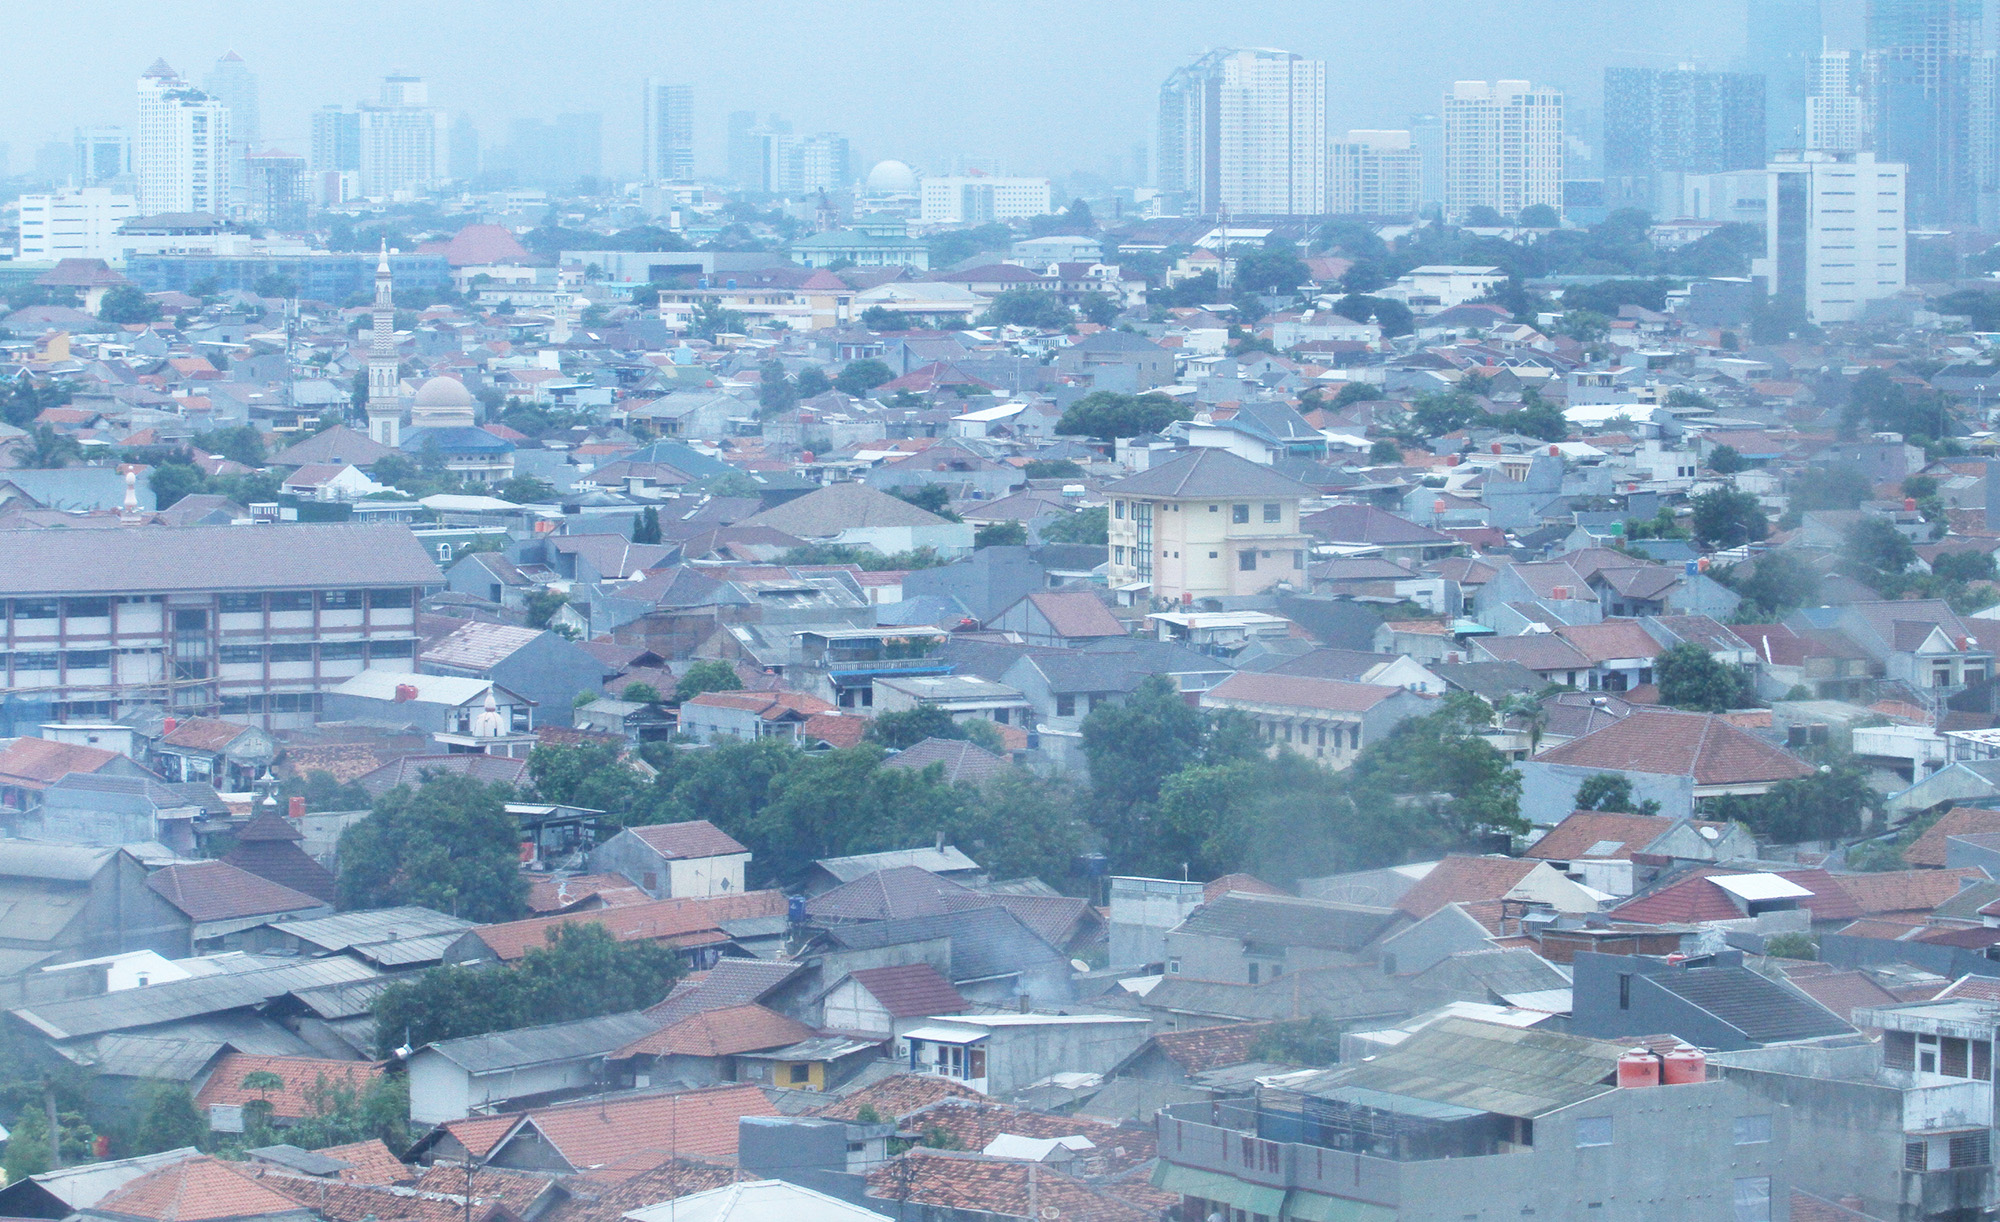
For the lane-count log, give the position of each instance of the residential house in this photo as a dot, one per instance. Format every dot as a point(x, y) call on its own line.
point(29, 766)
point(1391, 537)
point(1057, 618)
point(454, 1078)
point(93, 808)
point(630, 1130)
point(435, 704)
point(1327, 720)
point(751, 715)
point(675, 860)
point(66, 902)
point(888, 1001)
point(1921, 642)
point(1675, 759)
point(1709, 1001)
point(962, 696)
point(1250, 939)
point(546, 669)
point(1206, 524)
point(1601, 849)
point(1002, 1053)
point(859, 516)
point(220, 901)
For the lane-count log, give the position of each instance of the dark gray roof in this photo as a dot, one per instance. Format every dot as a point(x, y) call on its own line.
point(1347, 664)
point(1340, 623)
point(179, 558)
point(133, 1009)
point(1282, 921)
point(586, 1037)
point(985, 942)
point(1763, 1010)
point(1492, 680)
point(1209, 472)
point(1333, 992)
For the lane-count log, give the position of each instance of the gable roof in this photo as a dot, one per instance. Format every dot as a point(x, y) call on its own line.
point(1208, 472)
point(721, 1032)
point(910, 990)
point(200, 1189)
point(1929, 848)
point(1075, 613)
point(631, 1131)
point(37, 763)
point(218, 891)
point(838, 507)
point(1763, 1010)
point(961, 760)
point(1367, 524)
point(679, 922)
point(1699, 745)
point(684, 841)
point(1598, 835)
point(1298, 691)
point(1456, 879)
point(301, 1077)
point(1286, 921)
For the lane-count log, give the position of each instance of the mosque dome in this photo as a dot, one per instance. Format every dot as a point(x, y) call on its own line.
point(443, 392)
point(487, 722)
point(892, 178)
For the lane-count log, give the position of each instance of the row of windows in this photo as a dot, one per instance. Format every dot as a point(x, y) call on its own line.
point(330, 651)
point(1274, 511)
point(285, 600)
point(281, 702)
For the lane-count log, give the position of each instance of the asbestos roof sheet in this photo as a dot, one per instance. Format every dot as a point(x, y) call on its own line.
point(1510, 1071)
point(175, 558)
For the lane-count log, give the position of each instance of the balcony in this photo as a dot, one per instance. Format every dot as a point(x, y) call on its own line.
point(1231, 1148)
point(1966, 1104)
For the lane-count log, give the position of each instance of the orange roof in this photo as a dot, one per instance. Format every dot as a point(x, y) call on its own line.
point(638, 1133)
point(37, 763)
point(721, 1033)
point(1464, 878)
point(372, 1162)
point(769, 706)
point(1928, 849)
point(200, 1189)
point(683, 922)
point(302, 1077)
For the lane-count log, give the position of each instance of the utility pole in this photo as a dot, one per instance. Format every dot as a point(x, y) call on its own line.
point(55, 1129)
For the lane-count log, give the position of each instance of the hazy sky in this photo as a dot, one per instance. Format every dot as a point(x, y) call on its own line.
point(1039, 85)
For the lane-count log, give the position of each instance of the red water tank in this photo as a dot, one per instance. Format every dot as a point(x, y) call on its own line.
point(1496, 447)
point(1451, 460)
point(1437, 506)
point(167, 725)
point(296, 808)
point(1683, 1065)
point(1638, 1068)
point(1909, 503)
point(405, 692)
point(1555, 451)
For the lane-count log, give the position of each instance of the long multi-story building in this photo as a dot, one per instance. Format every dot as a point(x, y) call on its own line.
point(79, 224)
point(1835, 233)
point(1244, 131)
point(181, 157)
point(1503, 147)
point(1374, 173)
point(1662, 123)
point(797, 165)
point(669, 132)
point(250, 623)
point(402, 139)
point(975, 199)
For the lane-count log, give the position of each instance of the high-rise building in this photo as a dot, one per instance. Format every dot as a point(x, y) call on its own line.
point(1245, 131)
point(796, 165)
point(746, 150)
point(403, 139)
point(1781, 39)
point(275, 189)
point(1931, 105)
point(336, 140)
point(668, 124)
point(1835, 233)
point(1427, 137)
point(556, 155)
point(1374, 173)
point(1836, 115)
point(77, 224)
point(1661, 123)
point(181, 156)
point(102, 154)
point(463, 157)
point(1503, 147)
point(232, 82)
point(979, 199)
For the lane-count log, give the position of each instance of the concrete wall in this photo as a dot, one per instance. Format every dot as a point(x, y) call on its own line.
point(1548, 791)
point(1020, 1056)
point(664, 879)
point(849, 1007)
point(1212, 957)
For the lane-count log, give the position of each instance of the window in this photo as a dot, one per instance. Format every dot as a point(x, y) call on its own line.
point(333, 600)
point(1753, 1198)
point(1118, 554)
point(1624, 990)
point(1899, 1050)
point(388, 598)
point(1214, 508)
point(34, 608)
point(1274, 512)
point(1212, 555)
point(190, 621)
point(1253, 973)
point(291, 653)
point(34, 661)
point(87, 608)
point(391, 649)
point(238, 655)
point(1916, 1156)
point(1173, 967)
point(1298, 559)
point(1247, 561)
point(89, 659)
point(1065, 706)
point(799, 1073)
point(1118, 509)
point(1239, 513)
point(1593, 1131)
point(338, 651)
point(1753, 1130)
point(236, 604)
point(1972, 1149)
point(292, 600)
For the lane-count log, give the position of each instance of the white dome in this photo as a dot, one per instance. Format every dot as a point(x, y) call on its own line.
point(892, 178)
point(443, 392)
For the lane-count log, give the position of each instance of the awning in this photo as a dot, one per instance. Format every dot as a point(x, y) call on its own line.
point(1215, 1186)
point(1312, 1207)
point(946, 1035)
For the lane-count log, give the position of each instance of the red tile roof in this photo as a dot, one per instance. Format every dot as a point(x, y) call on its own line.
point(1903, 892)
point(897, 1096)
point(1700, 745)
point(683, 841)
point(1611, 639)
point(1841, 992)
point(910, 990)
point(1581, 833)
point(373, 1162)
point(200, 1189)
point(1928, 849)
point(721, 1033)
point(1076, 614)
point(681, 922)
point(630, 1132)
point(218, 891)
point(972, 1183)
point(767, 705)
point(204, 734)
point(1456, 879)
point(561, 893)
point(37, 763)
point(303, 1078)
point(1206, 1048)
point(1248, 883)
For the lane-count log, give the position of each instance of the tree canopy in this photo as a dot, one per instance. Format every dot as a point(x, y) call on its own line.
point(1691, 678)
point(448, 844)
point(1104, 413)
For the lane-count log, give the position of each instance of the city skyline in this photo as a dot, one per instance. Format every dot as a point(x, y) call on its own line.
point(1024, 123)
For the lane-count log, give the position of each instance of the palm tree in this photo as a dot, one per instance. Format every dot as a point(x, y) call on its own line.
point(1526, 707)
point(45, 448)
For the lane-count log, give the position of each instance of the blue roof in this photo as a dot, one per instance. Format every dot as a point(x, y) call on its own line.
point(462, 440)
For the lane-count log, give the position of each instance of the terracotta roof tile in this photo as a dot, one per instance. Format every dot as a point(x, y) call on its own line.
point(1206, 1048)
point(595, 1197)
point(1464, 878)
point(1332, 695)
point(1841, 992)
point(373, 1162)
point(897, 1096)
point(975, 1184)
point(204, 734)
point(201, 1189)
point(1585, 833)
point(637, 1133)
point(682, 922)
point(683, 841)
point(1249, 884)
point(910, 990)
point(303, 1077)
point(1903, 892)
point(548, 894)
point(1699, 745)
point(1928, 849)
point(719, 1033)
point(976, 1122)
point(218, 891)
point(37, 763)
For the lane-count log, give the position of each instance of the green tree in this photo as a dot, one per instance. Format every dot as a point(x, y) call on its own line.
point(712, 319)
point(125, 305)
point(1830, 804)
point(1776, 582)
point(1092, 526)
point(907, 728)
point(811, 382)
point(1384, 453)
point(1690, 678)
point(1133, 746)
point(708, 675)
point(1539, 216)
point(832, 803)
point(1036, 308)
point(1000, 534)
point(341, 1114)
point(931, 498)
point(881, 318)
point(1725, 460)
point(1611, 792)
point(542, 606)
point(775, 392)
point(1311, 1041)
point(1726, 517)
point(526, 490)
point(1099, 308)
point(599, 778)
point(1964, 566)
point(1019, 825)
point(1827, 488)
point(857, 378)
point(1274, 271)
point(27, 1144)
point(1104, 413)
point(646, 526)
point(168, 1119)
point(447, 844)
point(640, 693)
point(240, 443)
point(1053, 468)
point(1876, 544)
point(46, 449)
point(1791, 946)
point(1441, 768)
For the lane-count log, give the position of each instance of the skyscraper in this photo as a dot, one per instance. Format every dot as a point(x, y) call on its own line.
point(1245, 131)
point(746, 151)
point(1781, 39)
point(669, 132)
point(1374, 173)
point(181, 156)
point(231, 82)
point(402, 139)
point(1661, 123)
point(336, 140)
point(1836, 118)
point(1503, 147)
point(1931, 104)
point(102, 154)
point(796, 165)
point(274, 189)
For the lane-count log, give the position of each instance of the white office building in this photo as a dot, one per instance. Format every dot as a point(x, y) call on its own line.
point(1245, 131)
point(77, 224)
point(1374, 173)
point(1503, 147)
point(975, 199)
point(402, 140)
point(181, 157)
point(1836, 115)
point(669, 132)
point(1835, 232)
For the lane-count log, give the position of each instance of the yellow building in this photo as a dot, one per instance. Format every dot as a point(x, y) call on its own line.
point(1207, 524)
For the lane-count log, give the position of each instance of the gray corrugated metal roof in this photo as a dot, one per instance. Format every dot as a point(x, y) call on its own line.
point(1763, 1010)
point(345, 929)
point(131, 1009)
point(177, 1059)
point(937, 861)
point(1489, 1068)
point(986, 943)
point(503, 1050)
point(1283, 921)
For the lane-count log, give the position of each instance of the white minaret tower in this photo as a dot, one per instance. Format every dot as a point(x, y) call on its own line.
point(385, 409)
